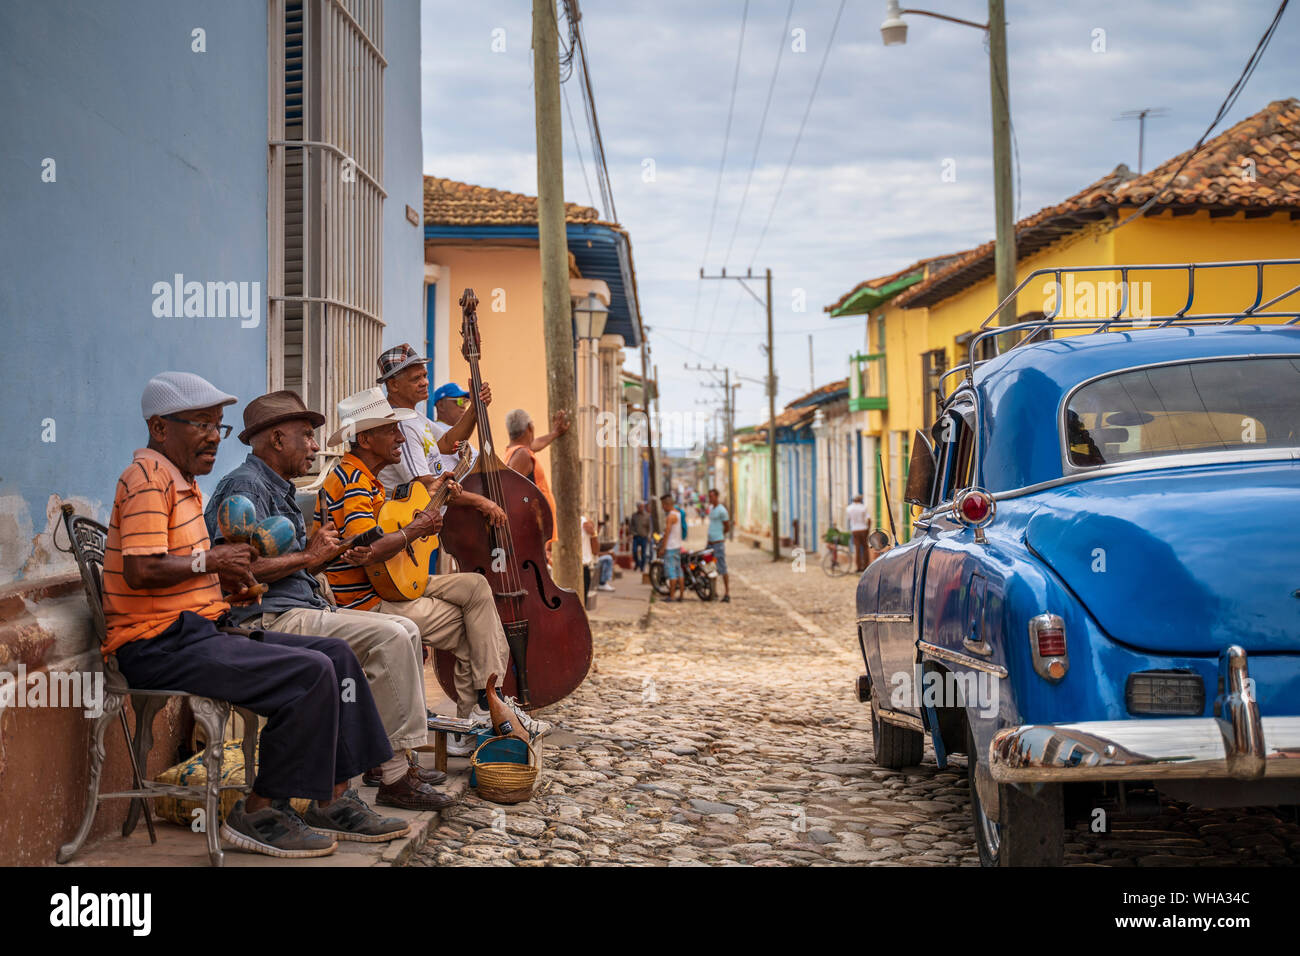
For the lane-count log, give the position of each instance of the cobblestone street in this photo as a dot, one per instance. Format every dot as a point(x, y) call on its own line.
point(729, 734)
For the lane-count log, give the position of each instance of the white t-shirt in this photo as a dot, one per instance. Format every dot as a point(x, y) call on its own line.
point(420, 453)
point(856, 516)
point(587, 556)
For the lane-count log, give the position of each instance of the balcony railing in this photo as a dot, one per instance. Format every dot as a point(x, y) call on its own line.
point(867, 382)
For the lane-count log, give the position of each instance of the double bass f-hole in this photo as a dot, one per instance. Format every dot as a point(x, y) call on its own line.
point(553, 601)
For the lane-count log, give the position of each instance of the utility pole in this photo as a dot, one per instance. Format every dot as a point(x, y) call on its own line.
point(812, 373)
point(660, 433)
point(1004, 254)
point(566, 474)
point(771, 393)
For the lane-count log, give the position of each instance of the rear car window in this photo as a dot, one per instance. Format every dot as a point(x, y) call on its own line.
point(1185, 408)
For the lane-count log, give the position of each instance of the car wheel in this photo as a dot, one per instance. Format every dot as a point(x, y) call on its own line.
point(896, 747)
point(657, 579)
point(1030, 829)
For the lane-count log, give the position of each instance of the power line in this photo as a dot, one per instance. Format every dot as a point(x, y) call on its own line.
point(574, 16)
point(758, 142)
point(762, 123)
point(726, 139)
point(1228, 102)
point(576, 144)
point(799, 136)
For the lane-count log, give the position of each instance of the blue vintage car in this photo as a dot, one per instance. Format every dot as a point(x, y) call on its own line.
point(1101, 596)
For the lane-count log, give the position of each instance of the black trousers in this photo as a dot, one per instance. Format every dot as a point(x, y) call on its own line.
point(322, 726)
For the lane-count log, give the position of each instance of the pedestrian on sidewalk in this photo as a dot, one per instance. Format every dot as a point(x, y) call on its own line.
point(855, 516)
point(719, 527)
point(641, 537)
point(670, 549)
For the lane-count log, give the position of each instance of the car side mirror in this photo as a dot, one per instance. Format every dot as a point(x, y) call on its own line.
point(920, 472)
point(878, 540)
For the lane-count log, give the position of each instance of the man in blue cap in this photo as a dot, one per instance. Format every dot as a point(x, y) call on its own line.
point(430, 447)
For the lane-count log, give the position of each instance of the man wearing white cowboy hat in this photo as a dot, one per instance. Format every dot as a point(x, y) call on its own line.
point(456, 612)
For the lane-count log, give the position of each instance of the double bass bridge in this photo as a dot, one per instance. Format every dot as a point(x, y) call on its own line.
point(510, 594)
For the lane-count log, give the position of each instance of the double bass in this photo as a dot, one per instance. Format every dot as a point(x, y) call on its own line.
point(545, 625)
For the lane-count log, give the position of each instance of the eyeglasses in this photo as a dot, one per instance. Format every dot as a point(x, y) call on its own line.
point(460, 402)
point(222, 430)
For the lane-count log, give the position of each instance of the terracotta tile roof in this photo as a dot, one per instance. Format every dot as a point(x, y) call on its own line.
point(449, 203)
point(1216, 179)
point(827, 389)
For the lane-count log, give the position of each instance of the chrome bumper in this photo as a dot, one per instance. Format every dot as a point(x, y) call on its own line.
point(1240, 745)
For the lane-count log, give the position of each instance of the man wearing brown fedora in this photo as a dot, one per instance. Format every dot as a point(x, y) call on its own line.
point(281, 431)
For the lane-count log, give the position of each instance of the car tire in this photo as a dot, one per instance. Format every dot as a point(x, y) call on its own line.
point(1031, 828)
point(896, 747)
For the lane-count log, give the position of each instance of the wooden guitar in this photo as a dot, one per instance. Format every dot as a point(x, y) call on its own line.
point(404, 576)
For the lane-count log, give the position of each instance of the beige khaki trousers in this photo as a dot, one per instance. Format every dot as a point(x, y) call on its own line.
point(388, 648)
point(457, 614)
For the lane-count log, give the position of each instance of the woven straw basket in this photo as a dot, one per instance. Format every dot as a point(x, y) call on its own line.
point(505, 782)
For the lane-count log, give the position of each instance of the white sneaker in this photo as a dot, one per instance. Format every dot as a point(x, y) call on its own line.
point(461, 745)
point(605, 587)
point(535, 727)
point(480, 717)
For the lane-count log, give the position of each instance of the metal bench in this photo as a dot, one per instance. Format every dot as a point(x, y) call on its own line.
point(88, 540)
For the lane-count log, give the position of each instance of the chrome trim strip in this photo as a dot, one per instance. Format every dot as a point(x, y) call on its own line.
point(956, 657)
point(1162, 463)
point(885, 619)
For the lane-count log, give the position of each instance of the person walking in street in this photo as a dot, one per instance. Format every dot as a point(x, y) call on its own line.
point(170, 627)
point(670, 549)
point(719, 527)
point(859, 525)
point(641, 537)
point(280, 429)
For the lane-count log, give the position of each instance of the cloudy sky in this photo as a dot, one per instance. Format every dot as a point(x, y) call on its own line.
point(865, 194)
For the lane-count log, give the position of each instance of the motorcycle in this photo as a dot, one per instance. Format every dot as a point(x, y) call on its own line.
point(699, 572)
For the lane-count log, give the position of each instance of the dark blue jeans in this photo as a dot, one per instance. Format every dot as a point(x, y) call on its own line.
point(640, 551)
point(322, 727)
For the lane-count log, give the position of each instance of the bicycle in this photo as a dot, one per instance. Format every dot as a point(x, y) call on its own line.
point(837, 558)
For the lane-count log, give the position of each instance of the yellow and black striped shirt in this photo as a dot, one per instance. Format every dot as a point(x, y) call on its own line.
point(353, 497)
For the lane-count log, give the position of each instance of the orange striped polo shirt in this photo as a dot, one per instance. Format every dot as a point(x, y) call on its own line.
point(353, 496)
point(155, 511)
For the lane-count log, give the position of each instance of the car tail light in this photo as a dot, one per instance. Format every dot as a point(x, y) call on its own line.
point(974, 507)
point(1177, 693)
point(1048, 646)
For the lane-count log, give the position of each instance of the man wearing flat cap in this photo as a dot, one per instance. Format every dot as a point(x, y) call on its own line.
point(281, 431)
point(170, 628)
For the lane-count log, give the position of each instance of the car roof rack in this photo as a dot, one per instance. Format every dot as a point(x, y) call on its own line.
point(1183, 317)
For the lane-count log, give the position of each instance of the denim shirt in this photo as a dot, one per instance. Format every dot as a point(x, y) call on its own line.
point(270, 495)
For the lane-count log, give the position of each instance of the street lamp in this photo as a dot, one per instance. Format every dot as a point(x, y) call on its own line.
point(893, 31)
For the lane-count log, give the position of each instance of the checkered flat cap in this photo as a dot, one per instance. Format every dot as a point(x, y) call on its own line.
point(397, 358)
point(170, 392)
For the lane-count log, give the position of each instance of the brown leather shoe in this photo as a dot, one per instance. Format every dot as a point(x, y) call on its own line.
point(431, 777)
point(412, 793)
point(373, 778)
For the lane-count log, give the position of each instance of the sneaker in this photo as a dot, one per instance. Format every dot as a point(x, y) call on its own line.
point(461, 745)
point(480, 717)
point(535, 727)
point(726, 599)
point(348, 818)
point(274, 832)
point(604, 587)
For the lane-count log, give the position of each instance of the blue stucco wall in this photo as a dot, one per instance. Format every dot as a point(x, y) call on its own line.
point(404, 306)
point(161, 169)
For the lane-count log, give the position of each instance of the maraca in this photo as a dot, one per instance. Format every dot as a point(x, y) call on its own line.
point(269, 537)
